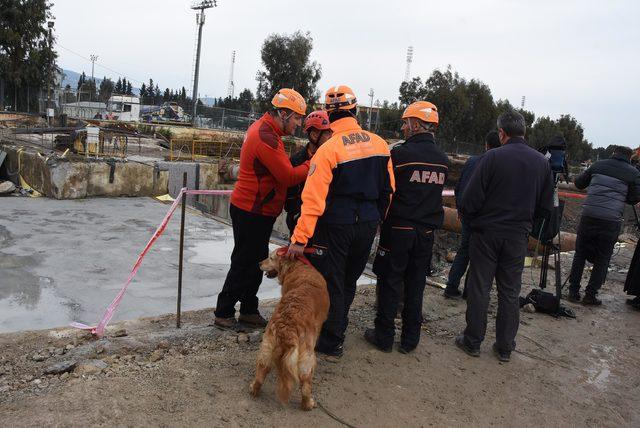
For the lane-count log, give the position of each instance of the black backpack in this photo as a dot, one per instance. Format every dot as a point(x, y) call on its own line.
point(546, 303)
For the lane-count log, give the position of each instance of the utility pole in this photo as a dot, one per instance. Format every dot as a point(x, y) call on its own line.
point(201, 6)
point(50, 25)
point(407, 71)
point(231, 86)
point(94, 58)
point(370, 108)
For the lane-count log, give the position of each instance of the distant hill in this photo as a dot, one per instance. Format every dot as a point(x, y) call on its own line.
point(208, 101)
point(71, 78)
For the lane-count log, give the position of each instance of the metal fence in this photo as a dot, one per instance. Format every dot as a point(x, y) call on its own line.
point(194, 148)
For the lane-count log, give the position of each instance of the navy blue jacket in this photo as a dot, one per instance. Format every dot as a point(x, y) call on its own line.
point(510, 185)
point(465, 174)
point(420, 168)
point(293, 202)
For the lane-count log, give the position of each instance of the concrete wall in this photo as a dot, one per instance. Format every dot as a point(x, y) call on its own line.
point(64, 179)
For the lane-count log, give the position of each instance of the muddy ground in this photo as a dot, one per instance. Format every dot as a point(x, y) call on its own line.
point(565, 372)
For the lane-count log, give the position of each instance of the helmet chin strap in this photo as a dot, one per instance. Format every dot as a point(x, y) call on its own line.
point(285, 119)
point(315, 143)
point(419, 123)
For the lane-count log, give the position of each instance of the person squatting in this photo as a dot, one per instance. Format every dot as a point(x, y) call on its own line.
point(346, 184)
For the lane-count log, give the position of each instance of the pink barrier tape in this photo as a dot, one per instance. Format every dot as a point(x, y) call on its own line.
point(108, 314)
point(572, 195)
point(209, 192)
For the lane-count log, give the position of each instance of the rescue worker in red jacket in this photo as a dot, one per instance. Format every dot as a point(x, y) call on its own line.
point(345, 198)
point(257, 199)
point(316, 125)
point(406, 237)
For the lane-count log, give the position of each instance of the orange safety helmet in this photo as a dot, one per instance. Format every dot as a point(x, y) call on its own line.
point(318, 119)
point(340, 97)
point(290, 99)
point(423, 110)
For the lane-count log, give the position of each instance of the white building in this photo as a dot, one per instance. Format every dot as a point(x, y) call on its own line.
point(84, 109)
point(124, 107)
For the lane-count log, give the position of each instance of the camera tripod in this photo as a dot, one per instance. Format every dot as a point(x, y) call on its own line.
point(551, 248)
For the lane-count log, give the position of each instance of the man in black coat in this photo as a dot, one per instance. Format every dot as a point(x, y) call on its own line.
point(406, 236)
point(509, 186)
point(461, 261)
point(612, 183)
point(632, 284)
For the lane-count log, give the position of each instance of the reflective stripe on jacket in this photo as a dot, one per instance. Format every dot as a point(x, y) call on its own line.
point(421, 169)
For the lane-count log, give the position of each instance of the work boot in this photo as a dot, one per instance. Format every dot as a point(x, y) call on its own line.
point(504, 356)
point(462, 344)
point(334, 353)
point(574, 296)
point(370, 336)
point(591, 300)
point(405, 350)
point(226, 323)
point(452, 293)
point(634, 303)
point(253, 320)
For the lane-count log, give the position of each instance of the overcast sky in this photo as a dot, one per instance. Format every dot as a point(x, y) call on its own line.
point(566, 56)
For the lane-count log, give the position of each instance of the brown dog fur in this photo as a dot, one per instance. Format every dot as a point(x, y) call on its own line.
point(290, 337)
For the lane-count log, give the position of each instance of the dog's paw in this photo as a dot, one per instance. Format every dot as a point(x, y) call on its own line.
point(254, 389)
point(309, 404)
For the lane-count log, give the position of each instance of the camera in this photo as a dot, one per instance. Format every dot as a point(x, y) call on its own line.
point(555, 152)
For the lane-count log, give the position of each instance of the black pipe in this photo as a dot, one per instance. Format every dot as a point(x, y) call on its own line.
point(182, 218)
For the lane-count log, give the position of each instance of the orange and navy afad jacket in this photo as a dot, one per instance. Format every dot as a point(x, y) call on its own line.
point(265, 170)
point(350, 180)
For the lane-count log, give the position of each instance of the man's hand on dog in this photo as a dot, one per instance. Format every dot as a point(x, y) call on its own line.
point(295, 250)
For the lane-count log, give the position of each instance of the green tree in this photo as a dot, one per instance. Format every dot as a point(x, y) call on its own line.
point(287, 63)
point(25, 54)
point(106, 89)
point(87, 91)
point(183, 97)
point(504, 105)
point(466, 109)
point(390, 120)
point(545, 128)
point(129, 88)
point(244, 101)
point(81, 80)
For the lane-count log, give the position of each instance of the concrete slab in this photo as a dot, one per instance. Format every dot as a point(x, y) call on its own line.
point(65, 260)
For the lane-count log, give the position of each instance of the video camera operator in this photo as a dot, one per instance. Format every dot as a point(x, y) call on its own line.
point(611, 184)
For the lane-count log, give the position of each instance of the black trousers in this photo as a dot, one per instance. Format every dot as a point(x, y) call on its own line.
point(595, 241)
point(342, 251)
point(251, 233)
point(632, 284)
point(402, 262)
point(500, 257)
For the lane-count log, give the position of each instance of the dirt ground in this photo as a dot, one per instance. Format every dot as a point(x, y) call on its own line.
point(565, 372)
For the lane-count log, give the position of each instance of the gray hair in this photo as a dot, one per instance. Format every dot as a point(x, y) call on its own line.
point(512, 123)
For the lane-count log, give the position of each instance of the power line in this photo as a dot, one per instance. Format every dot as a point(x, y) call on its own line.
point(100, 65)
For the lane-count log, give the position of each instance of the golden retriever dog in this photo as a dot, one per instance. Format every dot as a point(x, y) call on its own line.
point(290, 337)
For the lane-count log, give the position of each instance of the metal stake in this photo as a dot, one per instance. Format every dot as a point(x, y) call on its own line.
point(182, 217)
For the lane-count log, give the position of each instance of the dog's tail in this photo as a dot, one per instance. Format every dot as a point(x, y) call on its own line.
point(287, 366)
